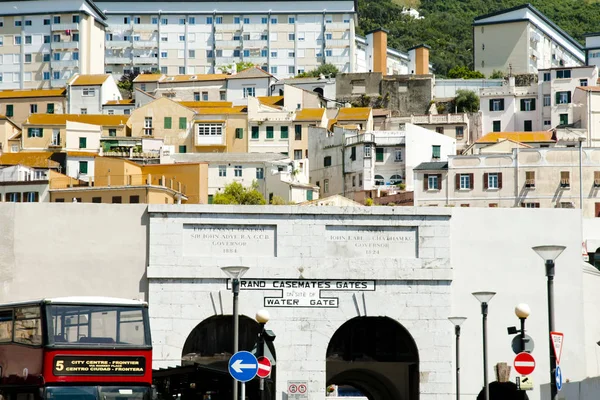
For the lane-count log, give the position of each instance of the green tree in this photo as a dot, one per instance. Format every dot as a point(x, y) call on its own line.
point(278, 201)
point(464, 73)
point(466, 101)
point(239, 66)
point(126, 81)
point(496, 74)
point(235, 193)
point(325, 69)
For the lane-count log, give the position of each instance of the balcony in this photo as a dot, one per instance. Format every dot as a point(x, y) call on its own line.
point(145, 44)
point(228, 44)
point(145, 60)
point(119, 28)
point(144, 27)
point(64, 64)
point(64, 45)
point(439, 119)
point(254, 28)
point(118, 60)
point(256, 60)
point(227, 27)
point(226, 60)
point(254, 44)
point(65, 27)
point(337, 43)
point(117, 44)
point(337, 26)
point(338, 59)
point(209, 140)
point(364, 138)
point(58, 83)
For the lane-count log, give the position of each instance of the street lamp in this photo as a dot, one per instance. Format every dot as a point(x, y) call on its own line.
point(235, 273)
point(522, 311)
point(457, 322)
point(549, 254)
point(262, 317)
point(484, 298)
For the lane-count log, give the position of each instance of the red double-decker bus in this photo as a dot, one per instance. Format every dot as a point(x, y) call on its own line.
point(75, 348)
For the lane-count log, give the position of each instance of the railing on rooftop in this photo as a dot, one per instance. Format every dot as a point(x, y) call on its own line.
point(111, 181)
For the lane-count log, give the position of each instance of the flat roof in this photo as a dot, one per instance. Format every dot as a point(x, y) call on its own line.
point(88, 300)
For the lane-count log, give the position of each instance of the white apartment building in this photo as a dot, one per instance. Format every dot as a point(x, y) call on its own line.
point(542, 105)
point(87, 94)
point(19, 183)
point(358, 165)
point(592, 49)
point(531, 178)
point(522, 40)
point(201, 37)
point(43, 44)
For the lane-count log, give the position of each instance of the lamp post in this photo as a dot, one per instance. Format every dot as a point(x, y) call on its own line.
point(484, 298)
point(457, 322)
point(549, 254)
point(522, 311)
point(235, 273)
point(262, 317)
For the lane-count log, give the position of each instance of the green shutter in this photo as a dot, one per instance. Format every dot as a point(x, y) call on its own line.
point(298, 129)
point(83, 167)
point(182, 123)
point(167, 123)
point(270, 132)
point(379, 154)
point(239, 133)
point(210, 199)
point(29, 132)
point(436, 151)
point(82, 142)
point(182, 149)
point(309, 195)
point(9, 110)
point(50, 108)
point(491, 105)
point(255, 132)
point(284, 132)
point(569, 97)
point(522, 104)
point(532, 104)
point(557, 97)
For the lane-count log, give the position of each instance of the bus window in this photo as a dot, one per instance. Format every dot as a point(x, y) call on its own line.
point(28, 326)
point(72, 393)
point(6, 326)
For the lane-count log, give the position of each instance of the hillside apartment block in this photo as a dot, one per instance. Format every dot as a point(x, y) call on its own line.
point(522, 40)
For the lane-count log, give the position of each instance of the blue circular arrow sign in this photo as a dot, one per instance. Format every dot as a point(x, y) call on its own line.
point(243, 366)
point(558, 376)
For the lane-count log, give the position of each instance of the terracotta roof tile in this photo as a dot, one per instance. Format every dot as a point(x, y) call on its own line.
point(205, 104)
point(61, 119)
point(33, 159)
point(354, 114)
point(310, 114)
point(142, 78)
point(120, 102)
point(271, 100)
point(242, 110)
point(87, 80)
point(521, 137)
point(12, 94)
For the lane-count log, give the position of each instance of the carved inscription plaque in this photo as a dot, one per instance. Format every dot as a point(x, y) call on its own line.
point(207, 240)
point(371, 241)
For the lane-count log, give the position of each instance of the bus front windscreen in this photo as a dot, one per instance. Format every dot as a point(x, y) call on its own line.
point(98, 393)
point(98, 325)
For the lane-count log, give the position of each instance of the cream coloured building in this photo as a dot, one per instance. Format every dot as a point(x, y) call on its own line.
point(522, 40)
point(525, 177)
point(46, 43)
point(18, 105)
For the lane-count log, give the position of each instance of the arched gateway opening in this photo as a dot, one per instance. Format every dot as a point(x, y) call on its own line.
point(205, 357)
point(377, 357)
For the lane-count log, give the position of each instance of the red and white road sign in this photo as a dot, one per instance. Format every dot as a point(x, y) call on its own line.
point(264, 367)
point(524, 363)
point(557, 342)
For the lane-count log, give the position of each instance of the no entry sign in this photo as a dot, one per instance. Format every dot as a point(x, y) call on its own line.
point(524, 363)
point(264, 367)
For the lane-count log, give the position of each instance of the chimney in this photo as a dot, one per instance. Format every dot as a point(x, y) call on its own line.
point(419, 60)
point(377, 40)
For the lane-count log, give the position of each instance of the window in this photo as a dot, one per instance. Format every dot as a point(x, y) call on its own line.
point(182, 123)
point(273, 54)
point(46, 21)
point(83, 167)
point(329, 53)
point(254, 132)
point(75, 56)
point(273, 69)
point(163, 54)
point(291, 36)
point(209, 20)
point(204, 96)
point(154, 20)
point(126, 20)
point(547, 100)
point(264, 20)
point(397, 155)
point(496, 104)
point(432, 182)
point(547, 77)
point(530, 179)
point(237, 171)
point(379, 180)
point(249, 91)
point(134, 199)
point(379, 152)
point(395, 179)
point(260, 173)
point(89, 92)
point(112, 132)
point(181, 70)
point(9, 110)
point(464, 181)
point(298, 132)
point(565, 182)
point(222, 170)
point(47, 39)
point(547, 122)
point(459, 132)
point(353, 153)
point(13, 197)
point(28, 325)
point(181, 21)
point(563, 97)
point(264, 53)
point(18, 22)
point(148, 126)
point(33, 108)
point(246, 20)
point(55, 137)
point(46, 57)
point(563, 74)
point(583, 82)
point(284, 132)
point(35, 132)
point(17, 40)
point(291, 20)
point(222, 95)
point(239, 133)
point(270, 131)
point(167, 123)
point(218, 20)
point(527, 104)
point(116, 200)
point(530, 205)
point(56, 38)
point(435, 151)
point(353, 180)
point(496, 126)
point(273, 20)
point(210, 129)
point(360, 180)
point(564, 119)
point(28, 39)
point(56, 56)
point(492, 180)
point(297, 154)
point(327, 161)
point(326, 186)
point(328, 36)
point(82, 142)
point(50, 108)
point(182, 149)
point(367, 151)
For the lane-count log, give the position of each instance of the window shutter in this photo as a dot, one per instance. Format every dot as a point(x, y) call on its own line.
point(36, 197)
point(557, 97)
point(425, 182)
point(569, 97)
point(537, 205)
point(471, 183)
point(457, 180)
point(439, 176)
point(522, 204)
point(499, 180)
point(491, 105)
point(522, 104)
point(502, 105)
point(29, 132)
point(485, 178)
point(532, 104)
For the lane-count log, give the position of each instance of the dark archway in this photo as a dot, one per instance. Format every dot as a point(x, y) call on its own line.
point(377, 356)
point(319, 91)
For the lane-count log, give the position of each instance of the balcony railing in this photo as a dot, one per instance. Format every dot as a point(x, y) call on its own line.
point(254, 27)
point(254, 44)
point(228, 44)
point(227, 27)
point(338, 59)
point(117, 44)
point(145, 60)
point(144, 27)
point(439, 119)
point(119, 27)
point(64, 64)
point(356, 139)
point(337, 43)
point(145, 44)
point(209, 140)
point(256, 60)
point(226, 60)
point(337, 26)
point(64, 45)
point(65, 27)
point(118, 60)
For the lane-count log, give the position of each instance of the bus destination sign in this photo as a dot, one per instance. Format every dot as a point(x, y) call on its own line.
point(98, 365)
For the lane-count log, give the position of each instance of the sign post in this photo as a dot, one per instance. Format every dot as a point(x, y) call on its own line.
point(524, 363)
point(557, 342)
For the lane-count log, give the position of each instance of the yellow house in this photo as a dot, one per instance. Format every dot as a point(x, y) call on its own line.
point(45, 131)
point(221, 130)
point(164, 119)
point(360, 118)
point(9, 133)
point(20, 104)
point(303, 119)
